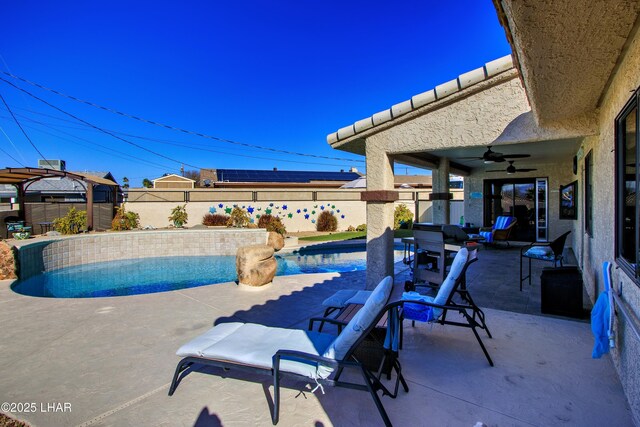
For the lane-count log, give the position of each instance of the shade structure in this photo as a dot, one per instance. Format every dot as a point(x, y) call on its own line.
point(356, 183)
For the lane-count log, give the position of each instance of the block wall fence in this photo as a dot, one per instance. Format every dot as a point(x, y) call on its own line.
point(299, 209)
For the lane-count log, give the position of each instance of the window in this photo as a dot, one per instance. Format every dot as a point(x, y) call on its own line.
point(626, 185)
point(588, 194)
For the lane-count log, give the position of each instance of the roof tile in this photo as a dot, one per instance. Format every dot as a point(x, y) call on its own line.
point(346, 132)
point(423, 98)
point(401, 108)
point(381, 117)
point(498, 66)
point(471, 78)
point(446, 89)
point(363, 124)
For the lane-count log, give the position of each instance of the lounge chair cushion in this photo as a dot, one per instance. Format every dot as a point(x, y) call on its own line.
point(254, 345)
point(339, 299)
point(212, 336)
point(540, 252)
point(344, 297)
point(361, 321)
point(445, 289)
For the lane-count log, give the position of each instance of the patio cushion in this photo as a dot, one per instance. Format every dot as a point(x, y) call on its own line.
point(488, 236)
point(540, 252)
point(254, 345)
point(456, 269)
point(360, 297)
point(361, 321)
point(212, 336)
point(339, 299)
point(503, 222)
point(344, 297)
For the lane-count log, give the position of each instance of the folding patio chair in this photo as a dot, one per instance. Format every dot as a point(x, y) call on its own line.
point(544, 251)
point(452, 296)
point(303, 354)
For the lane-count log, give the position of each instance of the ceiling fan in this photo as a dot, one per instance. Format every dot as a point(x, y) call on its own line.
point(512, 169)
point(491, 156)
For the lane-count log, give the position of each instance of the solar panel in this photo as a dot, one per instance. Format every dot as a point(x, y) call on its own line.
point(248, 175)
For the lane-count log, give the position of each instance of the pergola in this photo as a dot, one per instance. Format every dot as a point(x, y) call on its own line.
point(21, 178)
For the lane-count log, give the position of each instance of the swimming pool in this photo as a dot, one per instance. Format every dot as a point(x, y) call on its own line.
point(150, 275)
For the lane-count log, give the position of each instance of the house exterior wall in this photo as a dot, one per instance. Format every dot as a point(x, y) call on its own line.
point(475, 120)
point(173, 184)
point(593, 250)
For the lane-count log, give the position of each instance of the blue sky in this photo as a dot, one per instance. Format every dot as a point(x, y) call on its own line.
point(275, 74)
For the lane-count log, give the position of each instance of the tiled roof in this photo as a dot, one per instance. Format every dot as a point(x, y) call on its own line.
point(463, 81)
point(246, 175)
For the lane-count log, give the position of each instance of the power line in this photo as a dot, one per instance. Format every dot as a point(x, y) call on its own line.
point(24, 132)
point(174, 128)
point(14, 159)
point(169, 141)
point(14, 146)
point(107, 150)
point(94, 126)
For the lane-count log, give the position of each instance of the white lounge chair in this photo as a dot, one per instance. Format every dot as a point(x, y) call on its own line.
point(307, 354)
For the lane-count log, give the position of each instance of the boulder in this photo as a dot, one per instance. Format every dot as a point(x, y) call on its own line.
point(275, 240)
point(255, 265)
point(7, 262)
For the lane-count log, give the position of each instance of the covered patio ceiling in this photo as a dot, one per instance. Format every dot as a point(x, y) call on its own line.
point(567, 50)
point(541, 152)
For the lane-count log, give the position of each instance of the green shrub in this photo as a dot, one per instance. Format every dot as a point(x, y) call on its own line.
point(361, 227)
point(125, 220)
point(327, 222)
point(351, 228)
point(215, 219)
point(402, 217)
point(73, 222)
point(239, 218)
point(179, 215)
point(272, 223)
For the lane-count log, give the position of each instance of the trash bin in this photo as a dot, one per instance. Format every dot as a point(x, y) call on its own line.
point(561, 290)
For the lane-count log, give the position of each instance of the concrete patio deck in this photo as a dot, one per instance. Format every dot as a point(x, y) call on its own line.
point(112, 359)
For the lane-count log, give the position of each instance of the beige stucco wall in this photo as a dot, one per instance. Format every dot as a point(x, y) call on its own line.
point(154, 206)
point(592, 251)
point(560, 173)
point(478, 119)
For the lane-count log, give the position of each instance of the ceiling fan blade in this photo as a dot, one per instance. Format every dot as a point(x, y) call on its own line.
point(516, 156)
point(526, 170)
point(497, 170)
point(468, 158)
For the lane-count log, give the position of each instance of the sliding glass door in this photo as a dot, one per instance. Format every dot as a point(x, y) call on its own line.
point(523, 198)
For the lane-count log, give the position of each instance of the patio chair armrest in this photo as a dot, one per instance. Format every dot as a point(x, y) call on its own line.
point(486, 229)
point(440, 306)
point(330, 320)
point(294, 354)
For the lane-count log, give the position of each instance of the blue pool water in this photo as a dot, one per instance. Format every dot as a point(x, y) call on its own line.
point(149, 275)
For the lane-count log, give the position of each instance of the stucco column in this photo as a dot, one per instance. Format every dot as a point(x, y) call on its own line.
point(379, 196)
point(440, 194)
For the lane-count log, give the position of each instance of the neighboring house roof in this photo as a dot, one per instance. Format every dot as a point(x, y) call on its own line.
point(173, 178)
point(64, 184)
point(464, 81)
point(7, 190)
point(402, 181)
point(247, 175)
